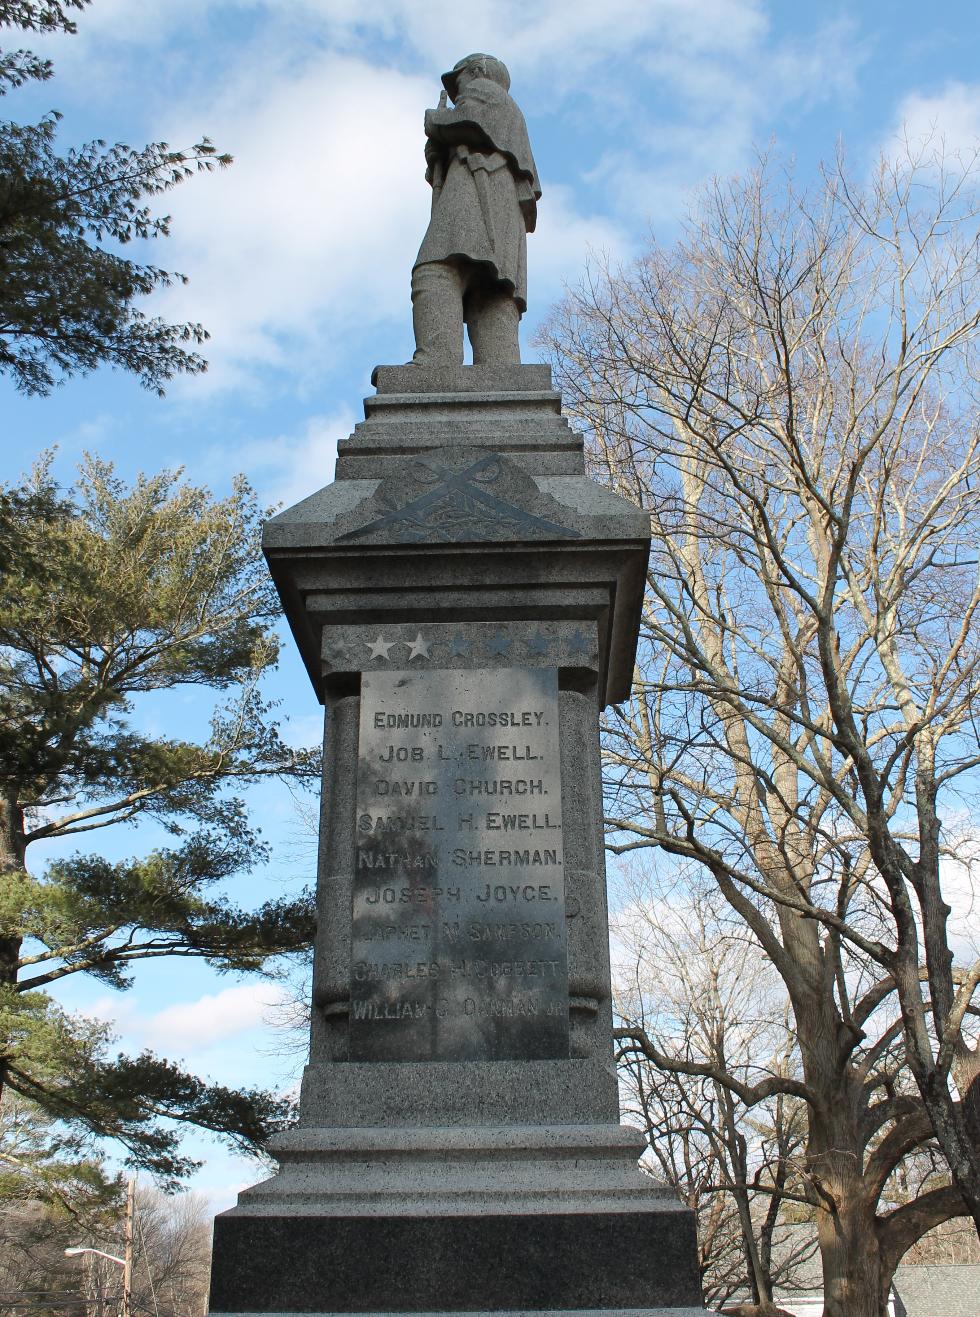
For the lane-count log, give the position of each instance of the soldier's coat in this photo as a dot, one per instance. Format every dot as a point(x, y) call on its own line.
point(484, 133)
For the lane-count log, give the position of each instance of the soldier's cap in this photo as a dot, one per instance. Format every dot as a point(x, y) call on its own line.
point(489, 67)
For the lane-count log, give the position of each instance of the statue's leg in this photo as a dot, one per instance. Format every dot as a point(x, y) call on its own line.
point(492, 318)
point(437, 314)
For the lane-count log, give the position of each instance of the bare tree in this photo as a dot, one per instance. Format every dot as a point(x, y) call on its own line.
point(954, 1243)
point(792, 390)
point(35, 1275)
point(694, 982)
point(171, 1255)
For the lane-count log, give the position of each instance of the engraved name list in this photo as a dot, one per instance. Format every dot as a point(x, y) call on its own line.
point(458, 944)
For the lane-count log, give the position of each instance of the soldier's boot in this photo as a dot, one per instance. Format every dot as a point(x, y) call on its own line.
point(492, 319)
point(437, 314)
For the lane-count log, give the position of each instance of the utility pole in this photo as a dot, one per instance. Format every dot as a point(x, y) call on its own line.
point(93, 1284)
point(126, 1261)
point(127, 1294)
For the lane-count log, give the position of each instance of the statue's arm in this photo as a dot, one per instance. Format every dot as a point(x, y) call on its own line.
point(455, 128)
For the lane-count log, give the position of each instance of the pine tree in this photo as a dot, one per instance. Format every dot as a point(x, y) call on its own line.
point(67, 295)
point(109, 593)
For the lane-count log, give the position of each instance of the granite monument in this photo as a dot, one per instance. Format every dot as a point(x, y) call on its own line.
point(466, 601)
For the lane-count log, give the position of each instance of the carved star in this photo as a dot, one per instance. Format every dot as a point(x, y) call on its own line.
point(538, 645)
point(460, 645)
point(577, 643)
point(379, 648)
point(499, 643)
point(417, 648)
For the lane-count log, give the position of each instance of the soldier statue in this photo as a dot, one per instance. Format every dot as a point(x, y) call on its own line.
point(472, 265)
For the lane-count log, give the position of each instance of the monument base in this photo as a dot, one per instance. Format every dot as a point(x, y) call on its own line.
point(510, 1312)
point(535, 1219)
point(466, 600)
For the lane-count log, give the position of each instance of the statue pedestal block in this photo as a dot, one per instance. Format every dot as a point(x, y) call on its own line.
point(536, 1218)
point(466, 601)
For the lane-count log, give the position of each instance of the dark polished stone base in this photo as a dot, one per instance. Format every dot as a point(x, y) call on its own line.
point(325, 1264)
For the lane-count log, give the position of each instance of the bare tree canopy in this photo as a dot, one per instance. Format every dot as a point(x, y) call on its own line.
point(792, 391)
point(694, 981)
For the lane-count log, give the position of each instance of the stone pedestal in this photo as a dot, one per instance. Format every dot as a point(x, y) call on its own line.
point(466, 601)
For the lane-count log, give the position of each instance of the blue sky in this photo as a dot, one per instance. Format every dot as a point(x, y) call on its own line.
point(299, 256)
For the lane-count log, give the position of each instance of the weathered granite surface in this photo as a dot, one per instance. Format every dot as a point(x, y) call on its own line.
point(524, 1312)
point(461, 549)
point(526, 1217)
point(471, 1170)
point(545, 1260)
point(490, 379)
point(472, 264)
point(511, 410)
point(443, 497)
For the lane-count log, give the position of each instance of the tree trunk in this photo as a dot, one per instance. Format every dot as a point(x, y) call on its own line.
point(955, 1125)
point(11, 861)
point(846, 1219)
point(851, 1264)
point(955, 1137)
point(759, 1280)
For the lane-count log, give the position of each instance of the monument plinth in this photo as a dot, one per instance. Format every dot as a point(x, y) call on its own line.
point(466, 601)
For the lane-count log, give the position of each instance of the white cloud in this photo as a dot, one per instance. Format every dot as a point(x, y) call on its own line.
point(721, 104)
point(306, 244)
point(287, 467)
point(213, 1018)
point(193, 1025)
point(312, 233)
point(572, 35)
point(557, 251)
point(569, 39)
point(949, 118)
